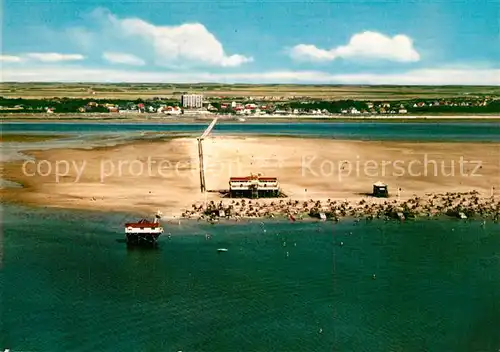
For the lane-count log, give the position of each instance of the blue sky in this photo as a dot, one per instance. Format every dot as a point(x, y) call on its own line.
point(376, 42)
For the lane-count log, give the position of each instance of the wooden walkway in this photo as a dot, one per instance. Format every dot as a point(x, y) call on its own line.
point(200, 153)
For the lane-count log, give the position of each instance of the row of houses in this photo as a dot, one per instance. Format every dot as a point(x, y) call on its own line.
point(430, 103)
point(376, 110)
point(242, 109)
point(402, 108)
point(194, 104)
point(422, 104)
point(133, 108)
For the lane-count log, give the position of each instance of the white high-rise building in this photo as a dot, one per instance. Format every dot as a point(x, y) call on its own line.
point(192, 100)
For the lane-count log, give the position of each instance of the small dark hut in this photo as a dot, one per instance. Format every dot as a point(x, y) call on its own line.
point(380, 190)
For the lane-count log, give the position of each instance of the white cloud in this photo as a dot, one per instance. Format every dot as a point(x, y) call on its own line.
point(183, 45)
point(10, 58)
point(54, 57)
point(435, 76)
point(123, 58)
point(188, 43)
point(366, 45)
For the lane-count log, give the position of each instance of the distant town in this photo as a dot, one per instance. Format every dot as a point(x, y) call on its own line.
point(197, 104)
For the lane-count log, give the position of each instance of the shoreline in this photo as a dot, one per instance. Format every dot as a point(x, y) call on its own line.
point(165, 136)
point(483, 209)
point(452, 205)
point(462, 205)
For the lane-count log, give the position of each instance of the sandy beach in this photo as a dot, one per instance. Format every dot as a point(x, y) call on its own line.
point(145, 176)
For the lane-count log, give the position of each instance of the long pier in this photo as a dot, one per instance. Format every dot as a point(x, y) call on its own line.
point(209, 128)
point(200, 153)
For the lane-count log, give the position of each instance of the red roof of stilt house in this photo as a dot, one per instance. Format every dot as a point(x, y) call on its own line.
point(249, 178)
point(142, 223)
point(239, 179)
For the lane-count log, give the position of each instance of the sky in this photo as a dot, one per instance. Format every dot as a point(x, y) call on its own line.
point(328, 42)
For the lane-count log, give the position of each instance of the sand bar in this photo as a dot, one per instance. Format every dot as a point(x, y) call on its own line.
point(112, 178)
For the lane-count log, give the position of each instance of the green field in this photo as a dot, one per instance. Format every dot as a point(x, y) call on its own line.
point(327, 92)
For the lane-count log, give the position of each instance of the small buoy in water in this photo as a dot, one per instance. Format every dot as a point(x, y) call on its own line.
point(287, 254)
point(350, 233)
point(453, 229)
point(295, 244)
point(374, 276)
point(341, 244)
point(320, 331)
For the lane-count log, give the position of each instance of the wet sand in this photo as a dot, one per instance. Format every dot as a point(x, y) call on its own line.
point(146, 176)
point(26, 138)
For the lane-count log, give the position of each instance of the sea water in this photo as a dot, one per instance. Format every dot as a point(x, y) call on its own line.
point(90, 135)
point(407, 131)
point(69, 283)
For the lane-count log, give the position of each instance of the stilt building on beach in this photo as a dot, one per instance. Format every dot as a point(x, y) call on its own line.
point(144, 231)
point(254, 186)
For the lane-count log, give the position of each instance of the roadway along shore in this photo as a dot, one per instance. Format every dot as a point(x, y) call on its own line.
point(191, 118)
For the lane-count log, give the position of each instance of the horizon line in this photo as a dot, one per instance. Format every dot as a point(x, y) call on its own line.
point(254, 84)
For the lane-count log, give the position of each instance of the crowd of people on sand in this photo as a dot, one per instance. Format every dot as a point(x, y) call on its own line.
point(461, 205)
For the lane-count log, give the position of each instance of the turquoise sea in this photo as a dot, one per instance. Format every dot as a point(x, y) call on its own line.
point(69, 283)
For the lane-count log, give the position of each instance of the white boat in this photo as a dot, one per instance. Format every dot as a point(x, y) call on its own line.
point(222, 250)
